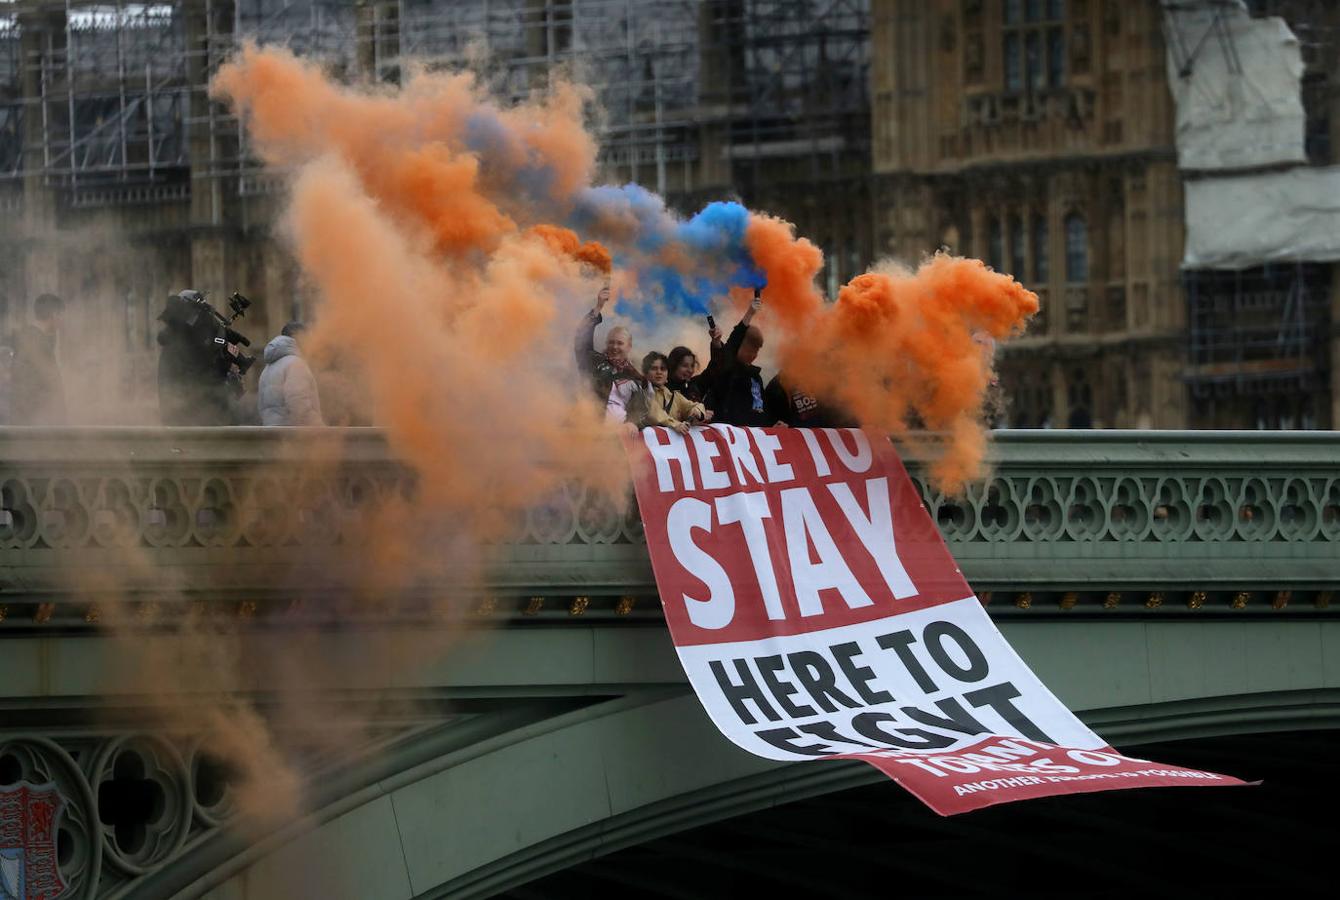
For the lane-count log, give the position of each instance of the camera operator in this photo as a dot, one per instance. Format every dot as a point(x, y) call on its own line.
point(200, 364)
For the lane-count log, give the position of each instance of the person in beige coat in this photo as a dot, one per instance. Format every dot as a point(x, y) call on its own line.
point(664, 406)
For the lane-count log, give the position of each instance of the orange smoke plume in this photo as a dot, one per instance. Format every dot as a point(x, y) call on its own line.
point(423, 249)
point(413, 151)
point(565, 242)
point(791, 265)
point(899, 349)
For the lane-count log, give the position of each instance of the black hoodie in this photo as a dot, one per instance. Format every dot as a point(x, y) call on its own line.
point(736, 394)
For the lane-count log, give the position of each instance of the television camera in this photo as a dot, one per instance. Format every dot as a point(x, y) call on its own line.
point(202, 332)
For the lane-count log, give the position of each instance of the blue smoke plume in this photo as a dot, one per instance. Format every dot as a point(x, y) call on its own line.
point(523, 185)
point(681, 265)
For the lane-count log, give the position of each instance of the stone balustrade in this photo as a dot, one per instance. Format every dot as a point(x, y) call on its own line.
point(250, 518)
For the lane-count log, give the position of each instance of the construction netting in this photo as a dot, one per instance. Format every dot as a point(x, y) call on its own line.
point(1235, 82)
point(1249, 220)
point(1240, 128)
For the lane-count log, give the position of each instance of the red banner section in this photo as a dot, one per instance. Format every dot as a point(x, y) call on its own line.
point(818, 614)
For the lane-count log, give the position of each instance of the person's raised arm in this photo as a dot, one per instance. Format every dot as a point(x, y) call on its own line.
point(584, 344)
point(754, 306)
point(736, 339)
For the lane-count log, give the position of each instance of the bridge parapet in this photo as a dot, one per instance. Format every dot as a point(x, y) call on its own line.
point(1109, 550)
point(1077, 522)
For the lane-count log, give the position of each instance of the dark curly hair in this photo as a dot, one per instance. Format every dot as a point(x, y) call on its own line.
point(676, 357)
point(650, 358)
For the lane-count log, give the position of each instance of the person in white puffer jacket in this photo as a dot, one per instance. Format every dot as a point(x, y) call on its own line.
point(288, 393)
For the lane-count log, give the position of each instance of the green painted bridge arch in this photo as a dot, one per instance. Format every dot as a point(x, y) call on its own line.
point(1165, 586)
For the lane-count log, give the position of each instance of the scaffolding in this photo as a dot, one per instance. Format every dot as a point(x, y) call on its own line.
point(96, 96)
point(1258, 336)
point(1258, 331)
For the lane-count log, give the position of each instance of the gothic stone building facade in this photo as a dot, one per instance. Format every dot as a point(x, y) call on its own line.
point(1038, 135)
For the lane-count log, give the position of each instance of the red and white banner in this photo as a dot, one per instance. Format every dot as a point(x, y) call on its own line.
point(819, 614)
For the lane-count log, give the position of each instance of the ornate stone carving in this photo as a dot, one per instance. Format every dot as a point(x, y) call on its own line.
point(228, 510)
point(79, 845)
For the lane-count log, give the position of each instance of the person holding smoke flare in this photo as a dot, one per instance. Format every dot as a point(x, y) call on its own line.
point(614, 380)
point(736, 395)
point(684, 375)
point(665, 406)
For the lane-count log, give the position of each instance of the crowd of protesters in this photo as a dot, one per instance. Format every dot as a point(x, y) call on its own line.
point(670, 390)
point(667, 389)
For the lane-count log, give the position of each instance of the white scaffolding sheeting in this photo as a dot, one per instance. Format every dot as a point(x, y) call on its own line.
point(1235, 82)
point(1249, 220)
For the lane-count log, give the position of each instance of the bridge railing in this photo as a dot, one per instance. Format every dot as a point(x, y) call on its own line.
point(250, 519)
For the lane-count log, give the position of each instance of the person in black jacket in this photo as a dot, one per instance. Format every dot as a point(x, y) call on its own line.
point(791, 406)
point(684, 375)
point(191, 389)
point(736, 395)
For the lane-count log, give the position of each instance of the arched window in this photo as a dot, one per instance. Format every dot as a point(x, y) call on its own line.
point(1076, 249)
point(1017, 248)
point(1033, 44)
point(995, 245)
point(1080, 396)
point(1041, 236)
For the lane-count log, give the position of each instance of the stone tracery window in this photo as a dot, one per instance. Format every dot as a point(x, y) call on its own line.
point(1041, 262)
point(1033, 44)
point(1017, 248)
point(1076, 249)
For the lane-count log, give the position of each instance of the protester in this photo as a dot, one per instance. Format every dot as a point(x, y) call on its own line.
point(684, 375)
point(789, 405)
point(288, 394)
point(37, 389)
point(736, 394)
point(664, 405)
point(614, 380)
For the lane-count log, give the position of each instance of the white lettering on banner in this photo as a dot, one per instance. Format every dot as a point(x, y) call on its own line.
point(719, 607)
point(876, 532)
point(737, 442)
point(768, 445)
point(806, 536)
point(805, 528)
point(916, 681)
point(857, 462)
point(707, 451)
point(749, 510)
point(667, 447)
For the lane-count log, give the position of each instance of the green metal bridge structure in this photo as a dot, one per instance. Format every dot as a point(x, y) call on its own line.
point(1168, 586)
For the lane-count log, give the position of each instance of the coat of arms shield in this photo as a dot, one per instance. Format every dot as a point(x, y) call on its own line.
point(29, 819)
